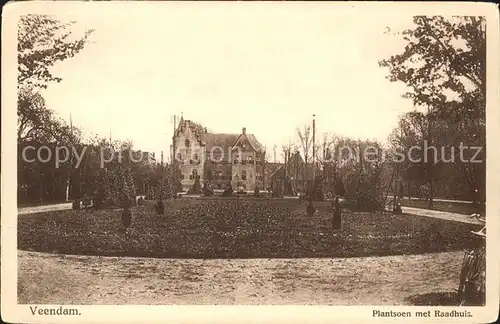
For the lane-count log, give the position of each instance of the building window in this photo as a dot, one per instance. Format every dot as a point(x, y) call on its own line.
point(250, 175)
point(194, 174)
point(187, 142)
point(250, 160)
point(243, 175)
point(179, 157)
point(229, 176)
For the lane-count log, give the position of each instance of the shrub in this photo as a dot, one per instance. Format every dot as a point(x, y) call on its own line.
point(160, 207)
point(114, 187)
point(317, 189)
point(207, 190)
point(339, 188)
point(310, 209)
point(228, 192)
point(126, 217)
point(76, 204)
point(364, 191)
point(196, 188)
point(276, 189)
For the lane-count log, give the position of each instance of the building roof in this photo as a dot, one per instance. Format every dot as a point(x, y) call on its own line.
point(271, 167)
point(226, 141)
point(254, 142)
point(279, 172)
point(198, 128)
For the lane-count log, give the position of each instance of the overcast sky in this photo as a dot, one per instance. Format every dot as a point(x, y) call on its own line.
point(265, 68)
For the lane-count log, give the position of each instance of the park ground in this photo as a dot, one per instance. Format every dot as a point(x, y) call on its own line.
point(241, 257)
point(393, 280)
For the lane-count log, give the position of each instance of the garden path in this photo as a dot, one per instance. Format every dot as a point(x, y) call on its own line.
point(390, 280)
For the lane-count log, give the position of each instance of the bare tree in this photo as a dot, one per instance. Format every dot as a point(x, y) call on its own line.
point(305, 144)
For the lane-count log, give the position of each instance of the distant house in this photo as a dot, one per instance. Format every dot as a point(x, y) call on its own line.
point(270, 170)
point(294, 169)
point(219, 159)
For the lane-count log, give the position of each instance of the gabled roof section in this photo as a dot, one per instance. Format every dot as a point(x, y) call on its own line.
point(252, 140)
point(270, 168)
point(222, 140)
point(279, 172)
point(225, 141)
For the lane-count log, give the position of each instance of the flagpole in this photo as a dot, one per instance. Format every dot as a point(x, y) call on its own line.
point(314, 145)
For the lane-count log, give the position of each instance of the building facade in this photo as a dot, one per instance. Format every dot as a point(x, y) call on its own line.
point(218, 159)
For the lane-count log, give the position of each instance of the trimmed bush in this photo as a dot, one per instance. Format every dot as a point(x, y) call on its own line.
point(126, 218)
point(160, 207)
point(196, 188)
point(228, 192)
point(317, 189)
point(207, 190)
point(310, 209)
point(339, 188)
point(76, 204)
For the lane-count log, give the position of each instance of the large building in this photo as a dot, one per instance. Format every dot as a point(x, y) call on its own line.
point(219, 159)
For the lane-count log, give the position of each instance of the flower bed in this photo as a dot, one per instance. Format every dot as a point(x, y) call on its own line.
point(237, 228)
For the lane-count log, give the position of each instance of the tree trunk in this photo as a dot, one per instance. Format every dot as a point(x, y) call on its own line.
point(41, 185)
point(430, 165)
point(360, 174)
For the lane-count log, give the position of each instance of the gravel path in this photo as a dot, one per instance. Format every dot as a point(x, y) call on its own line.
point(43, 208)
point(58, 279)
point(440, 214)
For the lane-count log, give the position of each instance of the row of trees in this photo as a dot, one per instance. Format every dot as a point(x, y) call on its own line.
point(443, 64)
point(42, 42)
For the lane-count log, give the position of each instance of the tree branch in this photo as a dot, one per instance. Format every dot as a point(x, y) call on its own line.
point(451, 56)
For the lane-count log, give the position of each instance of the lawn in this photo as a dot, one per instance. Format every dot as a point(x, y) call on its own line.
point(238, 228)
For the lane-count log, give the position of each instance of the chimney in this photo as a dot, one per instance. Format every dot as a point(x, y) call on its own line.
point(205, 129)
point(244, 131)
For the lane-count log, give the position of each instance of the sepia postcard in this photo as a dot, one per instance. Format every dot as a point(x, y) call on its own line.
point(249, 161)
